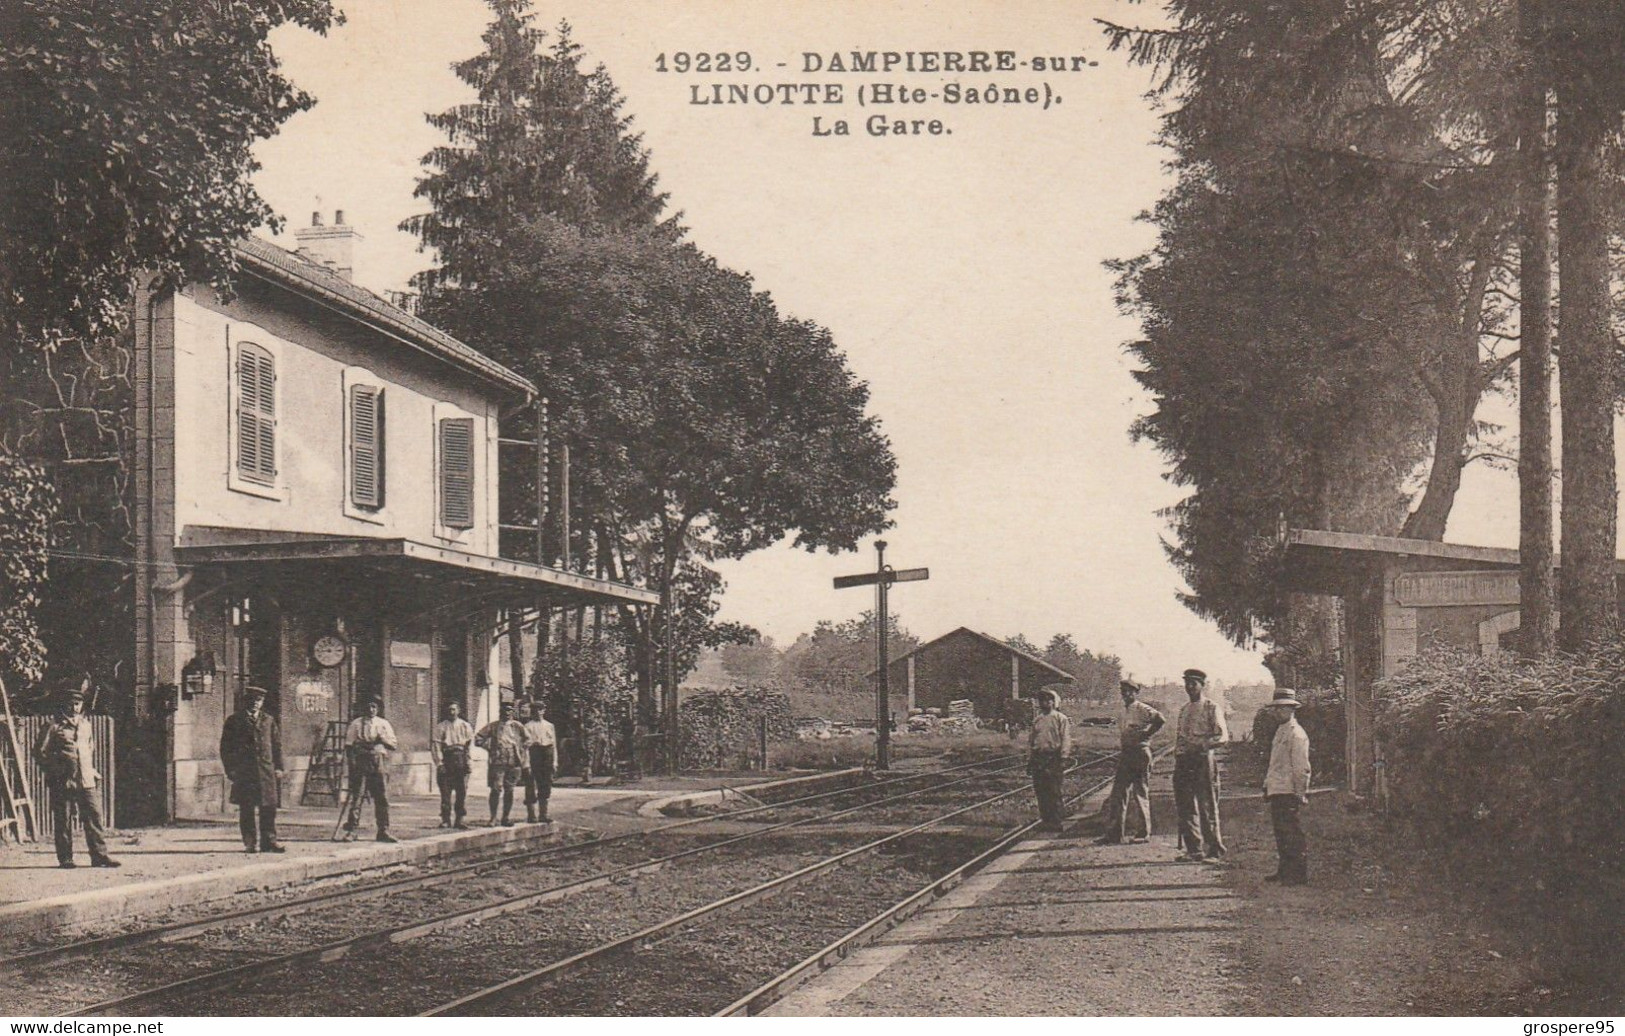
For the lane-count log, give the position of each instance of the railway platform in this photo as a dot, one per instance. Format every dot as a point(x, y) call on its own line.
point(1056, 926)
point(201, 860)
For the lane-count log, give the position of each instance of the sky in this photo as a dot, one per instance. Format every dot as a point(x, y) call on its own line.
point(962, 275)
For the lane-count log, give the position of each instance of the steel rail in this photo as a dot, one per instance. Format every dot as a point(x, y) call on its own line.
point(338, 949)
point(774, 989)
point(727, 904)
point(185, 929)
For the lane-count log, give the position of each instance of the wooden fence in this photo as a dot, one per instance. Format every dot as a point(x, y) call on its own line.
point(28, 729)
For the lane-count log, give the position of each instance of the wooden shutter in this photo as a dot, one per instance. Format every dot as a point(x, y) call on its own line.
point(256, 414)
point(367, 446)
point(457, 472)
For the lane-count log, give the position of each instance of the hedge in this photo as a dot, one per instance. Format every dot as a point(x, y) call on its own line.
point(1513, 768)
point(721, 729)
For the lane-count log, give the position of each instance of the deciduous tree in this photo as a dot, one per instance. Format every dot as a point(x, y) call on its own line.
point(125, 144)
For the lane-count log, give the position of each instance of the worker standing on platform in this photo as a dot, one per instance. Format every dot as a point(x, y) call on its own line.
point(1286, 789)
point(251, 754)
point(504, 740)
point(1049, 744)
point(371, 738)
point(1199, 731)
point(66, 752)
point(453, 737)
point(541, 745)
point(1130, 794)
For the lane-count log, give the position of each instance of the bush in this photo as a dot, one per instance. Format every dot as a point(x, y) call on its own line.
point(722, 729)
point(1512, 768)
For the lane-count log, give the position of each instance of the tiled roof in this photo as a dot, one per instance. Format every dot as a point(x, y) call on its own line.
point(297, 273)
point(996, 642)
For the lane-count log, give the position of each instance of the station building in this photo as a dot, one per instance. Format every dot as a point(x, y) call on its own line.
point(318, 496)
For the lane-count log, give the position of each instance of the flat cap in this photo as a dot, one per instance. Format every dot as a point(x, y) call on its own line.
point(1128, 687)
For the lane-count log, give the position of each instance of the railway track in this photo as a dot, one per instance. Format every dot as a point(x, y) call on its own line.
point(255, 921)
point(184, 929)
point(775, 988)
point(513, 995)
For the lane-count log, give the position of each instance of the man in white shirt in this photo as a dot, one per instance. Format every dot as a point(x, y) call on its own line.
point(453, 736)
point(370, 738)
point(1198, 731)
point(1049, 744)
point(541, 744)
point(1286, 789)
point(1135, 725)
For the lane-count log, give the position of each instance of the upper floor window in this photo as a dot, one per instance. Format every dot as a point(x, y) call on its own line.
point(256, 414)
point(367, 446)
point(457, 472)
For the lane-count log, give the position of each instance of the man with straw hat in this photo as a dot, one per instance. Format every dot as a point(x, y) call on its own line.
point(1286, 789)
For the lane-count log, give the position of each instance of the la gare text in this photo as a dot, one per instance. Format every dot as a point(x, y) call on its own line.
point(881, 126)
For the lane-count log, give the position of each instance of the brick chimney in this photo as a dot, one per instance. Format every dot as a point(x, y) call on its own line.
point(332, 247)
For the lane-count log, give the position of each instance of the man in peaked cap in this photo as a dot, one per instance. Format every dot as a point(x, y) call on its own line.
point(1048, 746)
point(1135, 726)
point(1198, 731)
point(66, 751)
point(1286, 789)
point(251, 752)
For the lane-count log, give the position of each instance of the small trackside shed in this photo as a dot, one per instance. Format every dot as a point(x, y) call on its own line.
point(969, 665)
point(1400, 596)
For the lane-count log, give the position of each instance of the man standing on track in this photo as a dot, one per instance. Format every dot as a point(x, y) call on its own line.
point(1049, 743)
point(251, 753)
point(66, 751)
point(504, 741)
point(453, 736)
point(1286, 789)
point(1199, 731)
point(371, 738)
point(1135, 726)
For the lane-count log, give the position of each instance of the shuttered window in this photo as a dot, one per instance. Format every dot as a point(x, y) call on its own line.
point(457, 472)
point(256, 414)
point(367, 446)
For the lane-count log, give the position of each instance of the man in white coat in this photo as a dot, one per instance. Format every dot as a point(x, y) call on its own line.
point(1286, 789)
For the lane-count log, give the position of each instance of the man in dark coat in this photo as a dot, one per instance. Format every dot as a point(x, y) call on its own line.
point(251, 751)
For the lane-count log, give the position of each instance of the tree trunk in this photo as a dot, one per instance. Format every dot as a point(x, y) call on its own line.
point(516, 653)
point(1456, 393)
point(1537, 583)
point(1589, 523)
point(1455, 417)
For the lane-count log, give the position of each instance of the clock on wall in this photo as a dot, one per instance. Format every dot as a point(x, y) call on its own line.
point(329, 650)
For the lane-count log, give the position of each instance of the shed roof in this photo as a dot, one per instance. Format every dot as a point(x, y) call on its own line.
point(1060, 674)
point(1321, 560)
point(316, 282)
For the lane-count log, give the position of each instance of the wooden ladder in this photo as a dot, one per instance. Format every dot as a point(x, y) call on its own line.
point(325, 781)
point(16, 808)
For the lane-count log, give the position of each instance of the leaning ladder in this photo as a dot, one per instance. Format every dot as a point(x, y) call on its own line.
point(325, 780)
point(16, 808)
